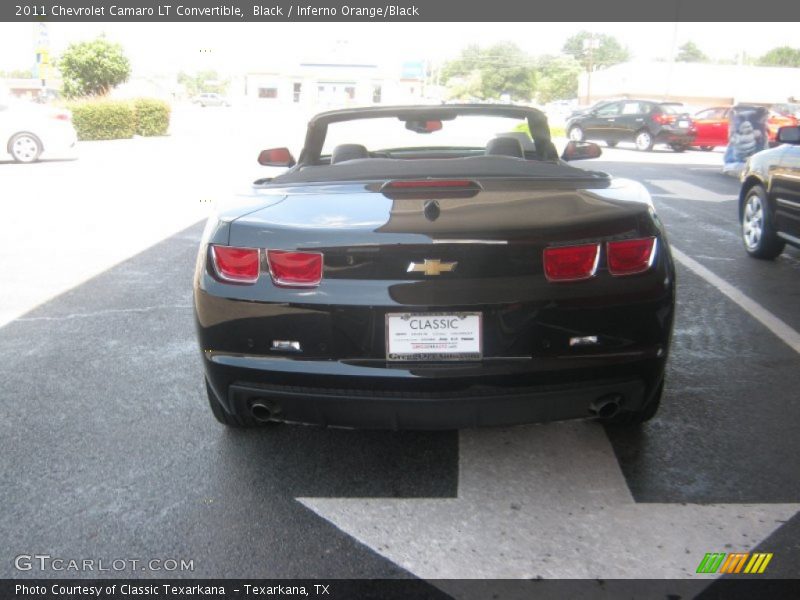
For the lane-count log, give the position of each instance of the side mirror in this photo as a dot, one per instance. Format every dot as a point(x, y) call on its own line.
point(789, 135)
point(276, 157)
point(581, 151)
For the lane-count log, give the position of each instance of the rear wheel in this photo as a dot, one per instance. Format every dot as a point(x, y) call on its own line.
point(644, 141)
point(611, 144)
point(678, 147)
point(576, 134)
point(758, 235)
point(25, 148)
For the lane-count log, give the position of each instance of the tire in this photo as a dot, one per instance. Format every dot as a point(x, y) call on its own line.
point(633, 418)
point(226, 418)
point(706, 148)
point(611, 144)
point(758, 235)
point(643, 140)
point(576, 134)
point(678, 147)
point(25, 147)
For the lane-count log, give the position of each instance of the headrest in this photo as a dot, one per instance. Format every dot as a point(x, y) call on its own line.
point(345, 152)
point(504, 146)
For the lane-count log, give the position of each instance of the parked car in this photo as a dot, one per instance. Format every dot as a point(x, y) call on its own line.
point(587, 109)
point(399, 275)
point(643, 122)
point(712, 126)
point(787, 109)
point(769, 200)
point(210, 99)
point(28, 130)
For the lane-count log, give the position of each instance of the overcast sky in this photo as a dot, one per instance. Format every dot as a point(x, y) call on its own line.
point(241, 47)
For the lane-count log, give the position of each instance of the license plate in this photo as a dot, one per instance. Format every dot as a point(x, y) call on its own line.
point(683, 124)
point(434, 336)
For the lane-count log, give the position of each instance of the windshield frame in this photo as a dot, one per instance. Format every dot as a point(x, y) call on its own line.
point(536, 119)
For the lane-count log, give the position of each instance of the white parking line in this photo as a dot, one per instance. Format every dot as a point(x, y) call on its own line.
point(761, 314)
point(688, 191)
point(548, 501)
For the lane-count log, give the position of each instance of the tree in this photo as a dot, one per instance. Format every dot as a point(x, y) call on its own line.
point(689, 52)
point(488, 74)
point(783, 56)
point(605, 50)
point(93, 68)
point(557, 78)
point(468, 62)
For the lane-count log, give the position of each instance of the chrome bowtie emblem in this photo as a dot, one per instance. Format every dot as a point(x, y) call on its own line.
point(432, 267)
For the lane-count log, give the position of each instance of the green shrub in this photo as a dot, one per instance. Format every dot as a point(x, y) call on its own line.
point(119, 119)
point(103, 119)
point(152, 116)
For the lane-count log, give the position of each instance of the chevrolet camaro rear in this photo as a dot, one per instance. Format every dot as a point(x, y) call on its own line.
point(435, 287)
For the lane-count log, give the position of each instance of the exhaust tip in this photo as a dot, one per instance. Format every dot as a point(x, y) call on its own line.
point(261, 412)
point(607, 406)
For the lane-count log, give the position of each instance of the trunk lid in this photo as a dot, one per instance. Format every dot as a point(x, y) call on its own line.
point(500, 231)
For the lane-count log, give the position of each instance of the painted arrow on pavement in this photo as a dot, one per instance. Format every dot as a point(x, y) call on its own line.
point(547, 501)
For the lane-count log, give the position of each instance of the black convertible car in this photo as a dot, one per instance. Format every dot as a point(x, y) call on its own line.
point(434, 267)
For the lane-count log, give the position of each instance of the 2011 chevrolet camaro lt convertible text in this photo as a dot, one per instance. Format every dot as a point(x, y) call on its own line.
point(434, 267)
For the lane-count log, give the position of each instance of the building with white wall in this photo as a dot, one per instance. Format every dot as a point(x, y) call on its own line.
point(336, 83)
point(698, 84)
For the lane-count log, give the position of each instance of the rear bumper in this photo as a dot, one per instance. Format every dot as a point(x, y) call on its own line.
point(60, 142)
point(674, 137)
point(452, 396)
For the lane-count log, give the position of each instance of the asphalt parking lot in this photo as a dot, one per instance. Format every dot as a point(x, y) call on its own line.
point(108, 449)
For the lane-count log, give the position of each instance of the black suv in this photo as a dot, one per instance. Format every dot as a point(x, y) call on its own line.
point(642, 122)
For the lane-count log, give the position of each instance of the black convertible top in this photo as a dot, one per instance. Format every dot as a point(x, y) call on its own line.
point(318, 125)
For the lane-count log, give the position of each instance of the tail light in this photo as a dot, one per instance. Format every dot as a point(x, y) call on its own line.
point(571, 263)
point(295, 269)
point(629, 257)
point(236, 265)
point(664, 119)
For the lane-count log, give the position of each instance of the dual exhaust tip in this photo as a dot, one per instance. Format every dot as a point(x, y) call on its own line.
point(606, 406)
point(262, 412)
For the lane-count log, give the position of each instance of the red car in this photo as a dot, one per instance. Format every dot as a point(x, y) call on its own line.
point(712, 126)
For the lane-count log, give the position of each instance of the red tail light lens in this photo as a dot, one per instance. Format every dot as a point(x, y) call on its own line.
point(663, 119)
point(571, 263)
point(629, 257)
point(295, 269)
point(62, 116)
point(236, 265)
